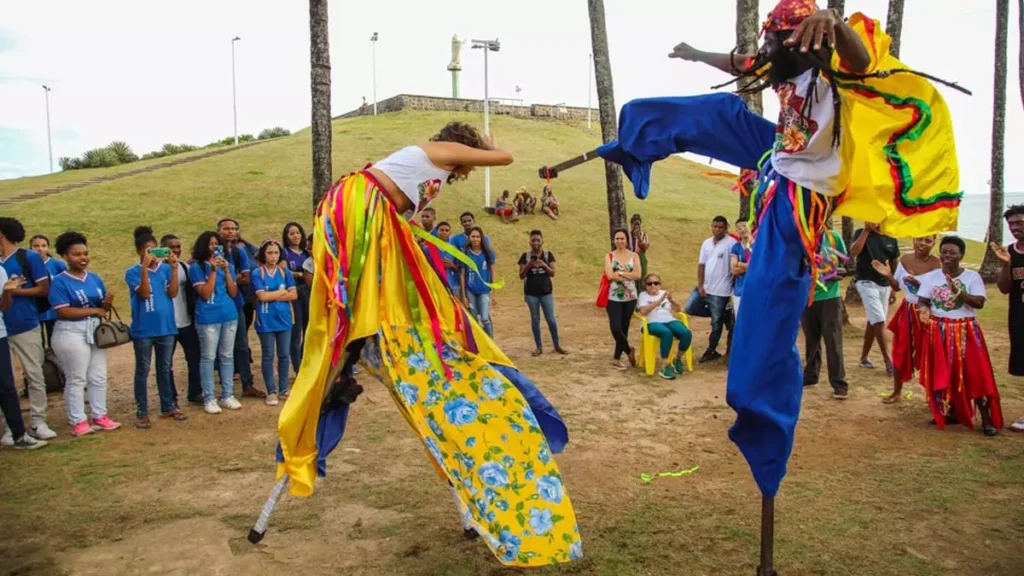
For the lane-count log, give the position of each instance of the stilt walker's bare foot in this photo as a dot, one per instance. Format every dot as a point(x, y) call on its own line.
point(893, 398)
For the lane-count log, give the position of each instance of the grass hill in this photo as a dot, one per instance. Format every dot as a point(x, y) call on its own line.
point(268, 185)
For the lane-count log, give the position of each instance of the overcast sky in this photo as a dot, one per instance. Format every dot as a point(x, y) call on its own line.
point(155, 71)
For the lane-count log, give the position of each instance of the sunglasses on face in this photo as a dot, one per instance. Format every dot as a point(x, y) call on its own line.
point(654, 283)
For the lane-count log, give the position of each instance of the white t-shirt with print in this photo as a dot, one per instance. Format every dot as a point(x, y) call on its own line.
point(939, 292)
point(803, 149)
point(910, 291)
point(717, 268)
point(662, 314)
point(181, 317)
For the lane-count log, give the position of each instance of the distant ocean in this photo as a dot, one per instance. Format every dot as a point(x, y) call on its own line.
point(974, 215)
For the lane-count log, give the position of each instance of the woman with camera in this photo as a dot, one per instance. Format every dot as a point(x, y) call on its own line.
point(216, 319)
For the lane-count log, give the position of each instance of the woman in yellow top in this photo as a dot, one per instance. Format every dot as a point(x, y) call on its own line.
point(488, 431)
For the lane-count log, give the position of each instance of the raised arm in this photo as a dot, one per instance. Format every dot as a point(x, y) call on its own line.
point(728, 63)
point(450, 155)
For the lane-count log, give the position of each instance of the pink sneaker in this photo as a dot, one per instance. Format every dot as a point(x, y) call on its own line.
point(81, 429)
point(104, 423)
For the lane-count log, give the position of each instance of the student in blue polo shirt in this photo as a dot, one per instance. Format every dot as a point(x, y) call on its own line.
point(275, 291)
point(476, 293)
point(153, 286)
point(216, 319)
point(80, 298)
point(451, 267)
point(54, 266)
point(241, 254)
point(22, 319)
point(296, 252)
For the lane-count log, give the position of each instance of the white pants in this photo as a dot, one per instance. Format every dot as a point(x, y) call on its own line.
point(85, 370)
point(875, 299)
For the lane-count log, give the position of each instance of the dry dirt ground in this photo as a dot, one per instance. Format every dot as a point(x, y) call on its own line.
point(871, 489)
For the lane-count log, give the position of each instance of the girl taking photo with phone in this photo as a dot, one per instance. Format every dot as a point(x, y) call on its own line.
point(275, 293)
point(153, 285)
point(216, 319)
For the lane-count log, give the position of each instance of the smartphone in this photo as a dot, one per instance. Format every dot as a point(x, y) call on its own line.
point(159, 252)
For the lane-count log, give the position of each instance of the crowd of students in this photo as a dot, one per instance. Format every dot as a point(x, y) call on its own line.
point(206, 302)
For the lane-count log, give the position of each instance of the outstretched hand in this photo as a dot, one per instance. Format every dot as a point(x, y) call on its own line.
point(822, 24)
point(1001, 252)
point(684, 51)
point(882, 268)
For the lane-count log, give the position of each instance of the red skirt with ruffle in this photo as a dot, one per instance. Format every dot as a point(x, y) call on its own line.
point(956, 371)
point(907, 333)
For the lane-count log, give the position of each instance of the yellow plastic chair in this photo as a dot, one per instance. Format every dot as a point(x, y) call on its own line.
point(650, 345)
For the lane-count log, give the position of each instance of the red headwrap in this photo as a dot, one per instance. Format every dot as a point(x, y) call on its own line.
point(788, 14)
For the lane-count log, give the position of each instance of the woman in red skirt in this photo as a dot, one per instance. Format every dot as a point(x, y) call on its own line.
point(956, 370)
point(913, 270)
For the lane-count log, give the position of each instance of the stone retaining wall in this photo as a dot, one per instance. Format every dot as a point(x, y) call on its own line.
point(436, 104)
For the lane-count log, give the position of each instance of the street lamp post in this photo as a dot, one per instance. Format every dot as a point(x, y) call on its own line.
point(487, 46)
point(49, 140)
point(234, 97)
point(373, 42)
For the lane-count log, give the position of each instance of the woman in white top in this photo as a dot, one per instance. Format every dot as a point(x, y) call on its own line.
point(912, 270)
point(375, 298)
point(622, 268)
point(660, 309)
point(956, 370)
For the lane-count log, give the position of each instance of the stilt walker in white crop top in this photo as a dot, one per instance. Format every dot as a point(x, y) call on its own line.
point(376, 300)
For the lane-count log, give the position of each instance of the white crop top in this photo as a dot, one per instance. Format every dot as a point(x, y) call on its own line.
point(415, 175)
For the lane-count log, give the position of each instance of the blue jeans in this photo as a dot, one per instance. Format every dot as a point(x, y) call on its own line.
point(481, 306)
point(282, 341)
point(665, 331)
point(547, 303)
point(300, 309)
point(709, 307)
point(217, 343)
point(164, 346)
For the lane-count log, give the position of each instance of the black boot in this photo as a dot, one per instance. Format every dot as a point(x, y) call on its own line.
point(986, 418)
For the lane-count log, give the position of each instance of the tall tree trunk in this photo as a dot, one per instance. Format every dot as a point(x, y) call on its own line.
point(894, 26)
point(991, 266)
point(609, 124)
point(746, 43)
point(1020, 44)
point(320, 88)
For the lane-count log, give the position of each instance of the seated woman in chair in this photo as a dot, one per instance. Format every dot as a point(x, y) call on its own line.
point(660, 309)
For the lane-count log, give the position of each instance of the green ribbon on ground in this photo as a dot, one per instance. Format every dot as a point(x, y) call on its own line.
point(648, 478)
point(454, 253)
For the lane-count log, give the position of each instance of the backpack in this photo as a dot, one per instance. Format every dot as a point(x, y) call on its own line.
point(42, 302)
point(53, 374)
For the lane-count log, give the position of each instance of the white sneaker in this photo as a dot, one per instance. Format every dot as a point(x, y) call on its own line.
point(42, 432)
point(230, 403)
point(27, 442)
point(1018, 426)
point(210, 406)
point(271, 400)
point(7, 439)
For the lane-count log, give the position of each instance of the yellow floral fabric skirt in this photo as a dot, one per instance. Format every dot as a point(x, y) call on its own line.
point(373, 282)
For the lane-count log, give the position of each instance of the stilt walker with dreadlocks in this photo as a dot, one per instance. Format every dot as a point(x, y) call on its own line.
point(858, 131)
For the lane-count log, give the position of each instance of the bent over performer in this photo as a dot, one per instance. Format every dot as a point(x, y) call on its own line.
point(488, 431)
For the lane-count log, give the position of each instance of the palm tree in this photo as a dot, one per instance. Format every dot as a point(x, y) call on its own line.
point(991, 266)
point(320, 87)
point(894, 26)
point(746, 43)
point(606, 103)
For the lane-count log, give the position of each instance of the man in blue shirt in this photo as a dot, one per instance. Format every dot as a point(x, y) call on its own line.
point(236, 251)
point(462, 238)
point(22, 319)
point(739, 257)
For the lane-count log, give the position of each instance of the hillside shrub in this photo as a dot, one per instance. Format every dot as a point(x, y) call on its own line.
point(275, 132)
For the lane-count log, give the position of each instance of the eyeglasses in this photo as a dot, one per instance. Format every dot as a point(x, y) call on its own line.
point(654, 283)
